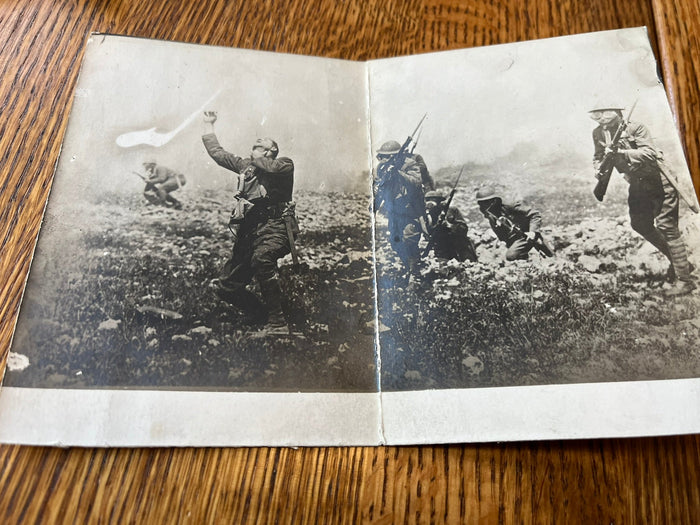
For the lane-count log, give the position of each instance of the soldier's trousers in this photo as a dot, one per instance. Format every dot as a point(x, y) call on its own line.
point(653, 204)
point(163, 189)
point(519, 249)
point(404, 235)
point(260, 244)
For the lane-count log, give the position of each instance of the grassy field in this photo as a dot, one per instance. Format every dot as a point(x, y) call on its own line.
point(130, 304)
point(124, 300)
point(595, 312)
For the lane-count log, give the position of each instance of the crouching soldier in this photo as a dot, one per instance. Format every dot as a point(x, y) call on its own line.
point(160, 183)
point(449, 231)
point(513, 223)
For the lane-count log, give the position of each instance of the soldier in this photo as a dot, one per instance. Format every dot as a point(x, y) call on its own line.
point(160, 182)
point(652, 199)
point(513, 223)
point(450, 239)
point(425, 177)
point(399, 189)
point(266, 233)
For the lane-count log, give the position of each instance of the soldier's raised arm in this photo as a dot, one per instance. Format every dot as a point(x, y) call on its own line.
point(222, 157)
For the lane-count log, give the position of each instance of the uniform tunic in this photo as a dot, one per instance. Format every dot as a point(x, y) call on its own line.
point(525, 219)
point(653, 201)
point(451, 240)
point(263, 237)
point(401, 193)
point(164, 180)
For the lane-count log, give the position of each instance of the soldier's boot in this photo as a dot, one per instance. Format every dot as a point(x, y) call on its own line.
point(681, 288)
point(272, 297)
point(172, 201)
point(671, 272)
point(248, 303)
point(413, 274)
point(151, 197)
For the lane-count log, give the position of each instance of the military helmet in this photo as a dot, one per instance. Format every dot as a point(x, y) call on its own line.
point(434, 195)
point(606, 106)
point(389, 148)
point(269, 145)
point(486, 194)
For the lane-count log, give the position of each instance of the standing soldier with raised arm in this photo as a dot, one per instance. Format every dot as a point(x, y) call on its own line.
point(653, 200)
point(266, 233)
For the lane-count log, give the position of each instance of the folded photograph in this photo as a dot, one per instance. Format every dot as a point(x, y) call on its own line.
point(248, 248)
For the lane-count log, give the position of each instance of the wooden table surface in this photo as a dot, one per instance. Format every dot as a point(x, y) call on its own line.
point(651, 480)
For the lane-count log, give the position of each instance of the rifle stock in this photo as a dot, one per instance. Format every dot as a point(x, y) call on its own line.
point(603, 177)
point(606, 164)
point(538, 243)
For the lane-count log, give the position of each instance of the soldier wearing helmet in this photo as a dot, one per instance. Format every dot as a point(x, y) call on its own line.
point(267, 228)
point(160, 183)
point(398, 190)
point(449, 230)
point(652, 199)
point(507, 219)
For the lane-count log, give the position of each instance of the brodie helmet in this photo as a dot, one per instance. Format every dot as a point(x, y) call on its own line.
point(389, 148)
point(606, 106)
point(486, 194)
point(434, 195)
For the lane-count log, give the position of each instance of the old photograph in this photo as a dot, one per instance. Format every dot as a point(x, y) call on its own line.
point(207, 227)
point(484, 244)
point(503, 259)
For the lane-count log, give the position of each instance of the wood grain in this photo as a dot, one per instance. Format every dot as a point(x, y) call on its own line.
point(652, 480)
point(679, 40)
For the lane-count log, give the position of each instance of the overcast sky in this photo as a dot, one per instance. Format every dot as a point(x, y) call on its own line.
point(481, 103)
point(315, 108)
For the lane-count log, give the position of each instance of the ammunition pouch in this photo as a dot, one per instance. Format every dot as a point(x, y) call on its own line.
point(241, 208)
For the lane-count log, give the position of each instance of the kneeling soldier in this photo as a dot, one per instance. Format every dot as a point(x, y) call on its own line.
point(449, 235)
point(513, 223)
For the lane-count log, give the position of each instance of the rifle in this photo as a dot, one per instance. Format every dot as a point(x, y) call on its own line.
point(388, 168)
point(538, 243)
point(415, 141)
point(149, 185)
point(673, 182)
point(442, 217)
point(606, 165)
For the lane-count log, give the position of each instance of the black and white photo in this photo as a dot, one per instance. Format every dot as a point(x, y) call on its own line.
point(253, 248)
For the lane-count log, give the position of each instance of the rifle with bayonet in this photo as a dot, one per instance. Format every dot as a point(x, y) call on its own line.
point(538, 242)
point(442, 218)
point(386, 170)
point(415, 141)
point(607, 163)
